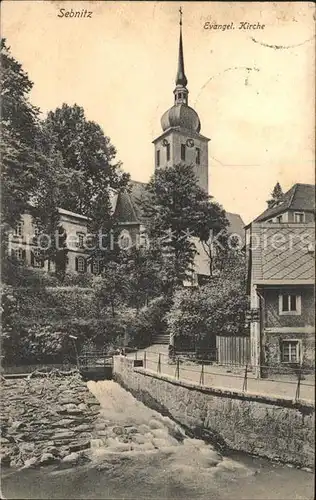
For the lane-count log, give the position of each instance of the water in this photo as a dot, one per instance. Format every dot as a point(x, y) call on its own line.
point(158, 461)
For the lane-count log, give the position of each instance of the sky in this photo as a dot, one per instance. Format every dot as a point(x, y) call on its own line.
point(254, 90)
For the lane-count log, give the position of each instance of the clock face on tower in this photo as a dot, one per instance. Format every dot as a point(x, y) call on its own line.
point(190, 143)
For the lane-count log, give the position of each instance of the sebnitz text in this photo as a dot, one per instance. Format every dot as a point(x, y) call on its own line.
point(75, 13)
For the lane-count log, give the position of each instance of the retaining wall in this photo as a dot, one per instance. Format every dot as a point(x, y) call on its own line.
point(264, 426)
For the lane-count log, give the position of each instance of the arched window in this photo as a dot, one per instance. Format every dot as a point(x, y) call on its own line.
point(125, 241)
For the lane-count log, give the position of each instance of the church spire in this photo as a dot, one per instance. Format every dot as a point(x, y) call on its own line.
point(181, 92)
point(181, 78)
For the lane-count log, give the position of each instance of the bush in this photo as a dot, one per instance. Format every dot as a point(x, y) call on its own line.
point(17, 275)
point(198, 315)
point(150, 321)
point(37, 323)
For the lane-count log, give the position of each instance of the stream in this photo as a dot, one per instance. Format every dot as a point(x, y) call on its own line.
point(148, 456)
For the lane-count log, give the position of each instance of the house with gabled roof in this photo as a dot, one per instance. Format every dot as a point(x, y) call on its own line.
point(281, 278)
point(296, 205)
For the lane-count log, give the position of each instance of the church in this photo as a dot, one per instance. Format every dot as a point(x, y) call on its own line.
point(180, 141)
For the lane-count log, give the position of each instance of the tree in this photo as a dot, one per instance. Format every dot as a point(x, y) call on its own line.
point(32, 174)
point(88, 156)
point(20, 136)
point(217, 308)
point(143, 276)
point(276, 195)
point(176, 209)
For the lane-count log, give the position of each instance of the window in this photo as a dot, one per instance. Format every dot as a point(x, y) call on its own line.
point(289, 304)
point(270, 221)
point(290, 351)
point(18, 253)
point(80, 241)
point(279, 219)
point(157, 157)
point(299, 217)
point(36, 260)
point(198, 156)
point(183, 152)
point(81, 264)
point(125, 241)
point(168, 151)
point(95, 266)
point(18, 229)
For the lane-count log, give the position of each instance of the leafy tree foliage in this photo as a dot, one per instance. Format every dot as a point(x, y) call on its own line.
point(20, 137)
point(88, 156)
point(217, 308)
point(177, 209)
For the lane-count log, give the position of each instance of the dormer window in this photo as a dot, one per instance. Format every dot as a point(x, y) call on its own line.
point(299, 217)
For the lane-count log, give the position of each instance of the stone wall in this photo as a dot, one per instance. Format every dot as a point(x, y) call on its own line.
point(265, 426)
point(46, 420)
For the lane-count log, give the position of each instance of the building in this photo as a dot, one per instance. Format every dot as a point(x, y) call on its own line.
point(296, 205)
point(24, 244)
point(181, 141)
point(281, 275)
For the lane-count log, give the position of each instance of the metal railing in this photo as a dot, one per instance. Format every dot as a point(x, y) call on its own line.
point(295, 382)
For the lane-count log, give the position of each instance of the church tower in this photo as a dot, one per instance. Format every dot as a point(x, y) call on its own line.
point(181, 141)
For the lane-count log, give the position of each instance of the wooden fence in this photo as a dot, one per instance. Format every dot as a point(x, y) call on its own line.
point(233, 350)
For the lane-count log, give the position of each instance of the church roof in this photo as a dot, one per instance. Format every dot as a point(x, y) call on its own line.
point(299, 197)
point(236, 225)
point(129, 210)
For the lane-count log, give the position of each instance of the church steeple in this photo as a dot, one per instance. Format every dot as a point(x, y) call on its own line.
point(181, 141)
point(181, 92)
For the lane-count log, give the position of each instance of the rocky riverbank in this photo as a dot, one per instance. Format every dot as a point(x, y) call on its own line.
point(47, 419)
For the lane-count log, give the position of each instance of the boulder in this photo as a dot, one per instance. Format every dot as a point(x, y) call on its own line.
point(63, 435)
point(47, 458)
point(131, 429)
point(79, 445)
point(74, 411)
point(71, 459)
point(26, 447)
point(82, 428)
point(118, 430)
point(64, 422)
point(100, 426)
point(155, 424)
point(82, 407)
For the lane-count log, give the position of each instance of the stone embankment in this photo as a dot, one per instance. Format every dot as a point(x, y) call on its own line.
point(48, 419)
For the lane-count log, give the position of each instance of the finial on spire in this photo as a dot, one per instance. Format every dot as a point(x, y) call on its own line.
point(180, 11)
point(181, 78)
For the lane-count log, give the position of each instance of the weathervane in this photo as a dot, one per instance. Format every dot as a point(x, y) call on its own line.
point(180, 11)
